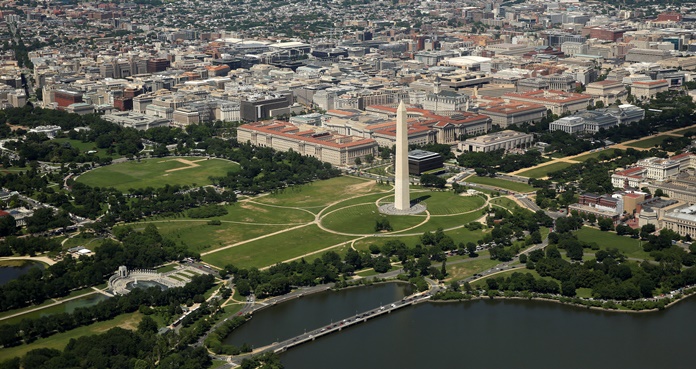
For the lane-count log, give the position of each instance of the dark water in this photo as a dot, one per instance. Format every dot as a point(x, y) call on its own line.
point(507, 334)
point(291, 318)
point(8, 273)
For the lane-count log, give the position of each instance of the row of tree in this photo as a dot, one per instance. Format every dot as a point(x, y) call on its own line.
point(29, 330)
point(144, 249)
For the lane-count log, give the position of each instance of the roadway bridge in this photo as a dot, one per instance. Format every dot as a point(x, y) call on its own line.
point(336, 327)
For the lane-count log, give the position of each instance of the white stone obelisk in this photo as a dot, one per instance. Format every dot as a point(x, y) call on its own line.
point(402, 200)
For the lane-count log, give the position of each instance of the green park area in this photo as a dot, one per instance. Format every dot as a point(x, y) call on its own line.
point(501, 183)
point(60, 340)
point(685, 130)
point(307, 220)
point(84, 146)
point(631, 247)
point(156, 172)
point(543, 171)
point(592, 155)
point(648, 142)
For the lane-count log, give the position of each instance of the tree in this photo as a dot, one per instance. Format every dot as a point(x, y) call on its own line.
point(358, 161)
point(605, 224)
point(8, 226)
point(369, 159)
point(646, 230)
point(568, 288)
point(471, 249)
point(147, 325)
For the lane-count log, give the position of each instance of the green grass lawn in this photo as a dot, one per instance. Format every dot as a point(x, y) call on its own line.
point(322, 193)
point(60, 340)
point(505, 202)
point(166, 268)
point(85, 146)
point(199, 236)
point(271, 250)
point(83, 240)
point(497, 182)
point(157, 173)
point(591, 155)
point(444, 202)
point(361, 219)
point(252, 213)
point(482, 282)
point(14, 170)
point(446, 222)
point(629, 246)
point(682, 131)
point(648, 143)
point(584, 292)
point(459, 271)
point(544, 171)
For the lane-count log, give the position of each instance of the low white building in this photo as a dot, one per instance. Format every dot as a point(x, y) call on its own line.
point(503, 140)
point(49, 131)
point(659, 169)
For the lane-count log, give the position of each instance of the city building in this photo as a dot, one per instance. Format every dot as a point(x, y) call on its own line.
point(659, 169)
point(326, 146)
point(130, 119)
point(420, 161)
point(513, 113)
point(503, 140)
point(604, 206)
point(256, 108)
point(606, 91)
point(681, 220)
point(648, 89)
point(559, 102)
point(48, 131)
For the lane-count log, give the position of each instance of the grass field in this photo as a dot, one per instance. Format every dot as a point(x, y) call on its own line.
point(199, 236)
point(482, 282)
point(60, 340)
point(82, 240)
point(505, 202)
point(360, 219)
point(466, 269)
point(648, 143)
point(682, 131)
point(157, 173)
point(629, 246)
point(85, 146)
point(496, 182)
point(271, 250)
point(591, 155)
point(544, 171)
point(13, 170)
point(322, 193)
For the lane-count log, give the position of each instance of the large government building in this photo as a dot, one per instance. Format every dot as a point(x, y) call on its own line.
point(326, 146)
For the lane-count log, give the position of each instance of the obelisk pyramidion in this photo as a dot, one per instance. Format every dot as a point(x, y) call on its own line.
point(402, 201)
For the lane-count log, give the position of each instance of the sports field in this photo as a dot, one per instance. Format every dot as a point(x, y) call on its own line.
point(157, 172)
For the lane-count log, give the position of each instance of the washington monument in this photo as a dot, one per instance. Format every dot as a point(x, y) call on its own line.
point(402, 201)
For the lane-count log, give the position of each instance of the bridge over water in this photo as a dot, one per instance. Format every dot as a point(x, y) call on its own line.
point(334, 327)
